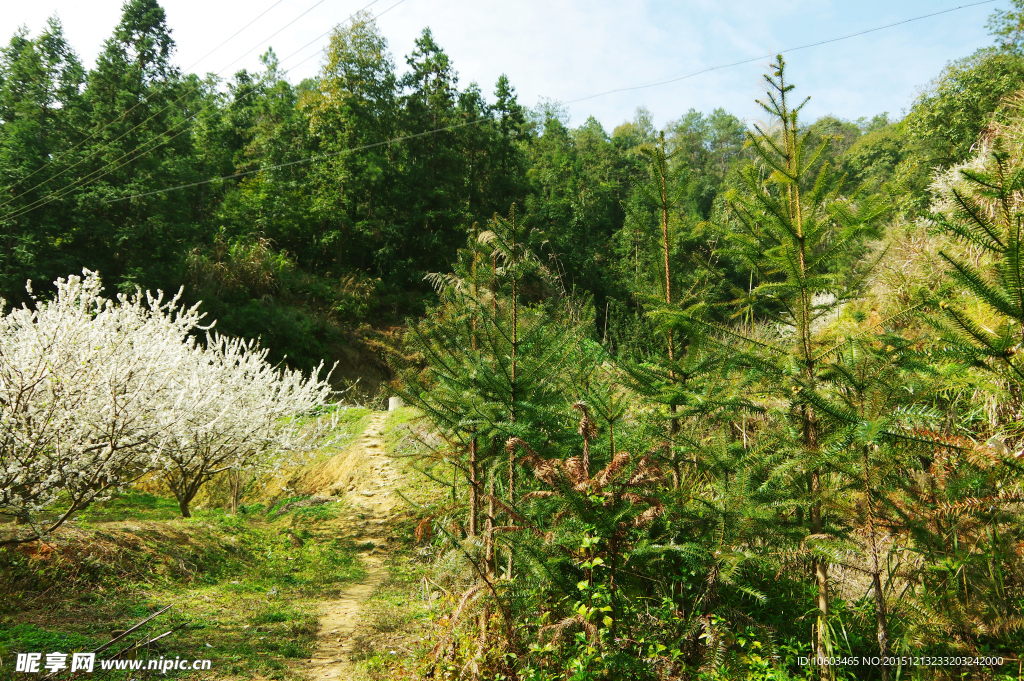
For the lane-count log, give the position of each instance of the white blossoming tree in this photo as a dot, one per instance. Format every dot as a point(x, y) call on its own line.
point(252, 414)
point(84, 382)
point(96, 392)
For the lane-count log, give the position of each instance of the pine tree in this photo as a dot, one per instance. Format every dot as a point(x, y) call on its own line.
point(354, 103)
point(791, 227)
point(430, 196)
point(488, 363)
point(876, 423)
point(972, 488)
point(509, 183)
point(139, 122)
point(40, 98)
point(983, 213)
point(672, 282)
point(278, 203)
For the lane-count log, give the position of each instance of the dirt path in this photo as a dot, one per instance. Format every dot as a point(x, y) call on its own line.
point(371, 481)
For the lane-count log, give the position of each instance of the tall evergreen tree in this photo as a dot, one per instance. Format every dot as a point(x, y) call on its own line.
point(40, 96)
point(509, 158)
point(270, 130)
point(490, 365)
point(354, 104)
point(433, 212)
point(791, 227)
point(138, 120)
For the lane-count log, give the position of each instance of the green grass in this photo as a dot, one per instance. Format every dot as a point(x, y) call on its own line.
point(352, 421)
point(134, 505)
point(399, 622)
point(321, 512)
point(398, 431)
point(31, 638)
point(243, 595)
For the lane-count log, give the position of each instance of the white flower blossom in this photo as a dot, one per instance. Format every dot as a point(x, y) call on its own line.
point(96, 392)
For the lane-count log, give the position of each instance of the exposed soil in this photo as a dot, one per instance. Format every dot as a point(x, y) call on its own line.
point(364, 474)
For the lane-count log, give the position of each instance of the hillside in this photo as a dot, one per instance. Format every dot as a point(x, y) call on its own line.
point(719, 400)
point(279, 590)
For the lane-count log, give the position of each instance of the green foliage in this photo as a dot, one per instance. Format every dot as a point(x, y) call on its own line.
point(487, 365)
point(29, 637)
point(983, 213)
point(710, 145)
point(873, 158)
point(677, 437)
point(948, 117)
point(40, 83)
point(1008, 25)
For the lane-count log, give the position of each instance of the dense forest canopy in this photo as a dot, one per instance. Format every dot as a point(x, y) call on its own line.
point(709, 398)
point(303, 252)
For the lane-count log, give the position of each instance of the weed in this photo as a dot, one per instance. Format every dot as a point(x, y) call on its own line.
point(242, 590)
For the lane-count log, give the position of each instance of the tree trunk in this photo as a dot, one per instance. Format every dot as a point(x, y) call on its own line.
point(235, 485)
point(512, 386)
point(489, 542)
point(185, 491)
point(881, 616)
point(881, 621)
point(473, 502)
point(673, 423)
point(511, 498)
point(473, 473)
point(820, 567)
point(183, 503)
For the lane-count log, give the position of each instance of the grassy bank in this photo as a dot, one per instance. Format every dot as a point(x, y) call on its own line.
point(244, 588)
point(241, 587)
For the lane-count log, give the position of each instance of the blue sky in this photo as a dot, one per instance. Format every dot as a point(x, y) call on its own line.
point(567, 49)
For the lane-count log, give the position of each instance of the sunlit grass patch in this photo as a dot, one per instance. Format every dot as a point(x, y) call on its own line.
point(244, 588)
point(134, 505)
point(399, 623)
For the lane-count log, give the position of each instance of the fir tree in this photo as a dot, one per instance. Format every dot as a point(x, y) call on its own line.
point(487, 365)
point(791, 227)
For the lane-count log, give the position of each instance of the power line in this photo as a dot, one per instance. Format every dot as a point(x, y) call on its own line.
point(461, 125)
point(233, 36)
point(137, 105)
point(790, 49)
point(303, 160)
point(138, 125)
point(92, 177)
point(275, 33)
point(327, 33)
point(59, 193)
point(320, 51)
